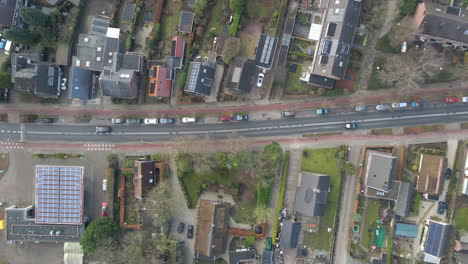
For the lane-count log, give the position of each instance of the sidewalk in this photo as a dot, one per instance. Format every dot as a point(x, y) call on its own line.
point(230, 107)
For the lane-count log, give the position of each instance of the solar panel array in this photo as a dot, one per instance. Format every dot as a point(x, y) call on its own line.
point(267, 49)
point(59, 194)
point(194, 77)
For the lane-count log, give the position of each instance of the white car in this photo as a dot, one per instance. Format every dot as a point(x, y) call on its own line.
point(261, 76)
point(186, 120)
point(151, 121)
point(104, 185)
point(399, 105)
point(465, 99)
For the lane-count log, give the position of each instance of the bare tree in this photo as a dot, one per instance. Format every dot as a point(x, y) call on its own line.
point(159, 200)
point(262, 214)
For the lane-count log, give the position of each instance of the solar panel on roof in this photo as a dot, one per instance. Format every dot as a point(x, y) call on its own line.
point(327, 45)
point(331, 29)
point(453, 10)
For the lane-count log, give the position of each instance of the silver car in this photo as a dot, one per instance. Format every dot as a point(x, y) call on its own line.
point(382, 107)
point(360, 108)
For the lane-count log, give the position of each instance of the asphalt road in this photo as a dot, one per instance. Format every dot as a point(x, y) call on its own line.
point(264, 128)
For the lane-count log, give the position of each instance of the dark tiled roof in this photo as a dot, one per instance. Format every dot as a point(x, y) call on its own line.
point(267, 257)
point(99, 26)
point(145, 176)
point(247, 77)
point(445, 27)
point(312, 194)
point(81, 83)
point(265, 51)
point(128, 12)
point(403, 204)
point(186, 22)
point(436, 240)
point(7, 9)
point(237, 257)
point(290, 232)
point(321, 81)
point(199, 78)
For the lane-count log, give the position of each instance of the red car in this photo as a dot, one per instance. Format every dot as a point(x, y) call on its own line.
point(451, 99)
point(225, 119)
point(104, 209)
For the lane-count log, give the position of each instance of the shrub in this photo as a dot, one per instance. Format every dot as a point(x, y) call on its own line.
point(249, 241)
point(408, 7)
point(181, 80)
point(235, 24)
point(60, 155)
point(281, 196)
point(39, 155)
point(101, 230)
point(129, 164)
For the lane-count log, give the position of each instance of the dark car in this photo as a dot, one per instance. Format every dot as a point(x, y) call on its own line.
point(448, 173)
point(441, 208)
point(133, 121)
point(167, 121)
point(190, 231)
point(242, 117)
point(181, 227)
point(47, 120)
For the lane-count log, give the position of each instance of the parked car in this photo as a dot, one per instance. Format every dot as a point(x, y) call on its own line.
point(181, 227)
point(360, 108)
point(399, 105)
point(465, 99)
point(104, 185)
point(47, 120)
point(190, 231)
point(167, 121)
point(242, 117)
point(133, 121)
point(451, 99)
point(321, 111)
point(260, 79)
point(186, 120)
point(103, 130)
point(104, 209)
point(117, 121)
point(2, 43)
point(288, 113)
point(382, 107)
point(351, 125)
point(448, 173)
point(441, 208)
point(415, 104)
point(151, 121)
point(225, 118)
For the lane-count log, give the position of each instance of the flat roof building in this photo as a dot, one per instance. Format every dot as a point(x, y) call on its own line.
point(186, 22)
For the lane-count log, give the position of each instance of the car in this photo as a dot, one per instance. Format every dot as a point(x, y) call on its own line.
point(225, 118)
point(104, 185)
point(181, 227)
point(415, 104)
point(451, 99)
point(399, 105)
point(151, 121)
point(167, 121)
point(133, 121)
point(2, 43)
point(117, 121)
point(47, 120)
point(288, 114)
point(260, 79)
point(382, 107)
point(465, 99)
point(448, 173)
point(441, 208)
point(187, 120)
point(190, 231)
point(321, 111)
point(64, 80)
point(103, 130)
point(360, 108)
point(242, 117)
point(351, 125)
point(104, 209)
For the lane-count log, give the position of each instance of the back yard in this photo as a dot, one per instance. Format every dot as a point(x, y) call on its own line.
point(327, 161)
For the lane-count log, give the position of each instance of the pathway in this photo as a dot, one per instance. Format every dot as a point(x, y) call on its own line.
point(291, 184)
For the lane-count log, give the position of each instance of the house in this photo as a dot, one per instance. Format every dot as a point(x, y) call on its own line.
point(160, 82)
point(289, 236)
point(404, 200)
point(186, 22)
point(406, 230)
point(381, 260)
point(312, 194)
point(199, 78)
point(9, 13)
point(213, 222)
point(441, 23)
point(242, 256)
point(30, 75)
point(430, 174)
point(265, 51)
point(267, 257)
point(81, 83)
point(176, 60)
point(128, 13)
point(379, 174)
point(147, 175)
point(435, 241)
point(120, 80)
point(334, 36)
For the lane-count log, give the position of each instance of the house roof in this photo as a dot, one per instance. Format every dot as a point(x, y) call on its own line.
point(160, 82)
point(128, 12)
point(267, 257)
point(265, 51)
point(7, 10)
point(247, 76)
point(406, 230)
point(391, 195)
point(290, 232)
point(380, 170)
point(213, 221)
point(430, 173)
point(146, 176)
point(312, 194)
point(81, 83)
point(186, 22)
point(405, 197)
point(436, 239)
point(177, 47)
point(240, 256)
point(322, 81)
point(199, 78)
point(99, 26)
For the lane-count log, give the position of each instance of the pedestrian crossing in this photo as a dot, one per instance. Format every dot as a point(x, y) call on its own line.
point(11, 145)
point(99, 147)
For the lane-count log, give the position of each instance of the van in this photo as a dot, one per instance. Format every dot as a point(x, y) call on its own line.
point(186, 120)
point(104, 185)
point(8, 47)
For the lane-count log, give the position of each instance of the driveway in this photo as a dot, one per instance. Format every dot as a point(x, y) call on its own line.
point(181, 213)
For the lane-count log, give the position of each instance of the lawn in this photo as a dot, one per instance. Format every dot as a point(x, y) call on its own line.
point(371, 216)
point(324, 161)
point(215, 17)
point(375, 82)
point(423, 129)
point(461, 215)
point(294, 85)
point(169, 22)
point(260, 8)
point(248, 44)
point(244, 212)
point(382, 131)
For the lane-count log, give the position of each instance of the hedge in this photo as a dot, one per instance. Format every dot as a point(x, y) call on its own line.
point(235, 25)
point(284, 177)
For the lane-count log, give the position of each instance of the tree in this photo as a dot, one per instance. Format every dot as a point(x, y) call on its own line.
point(408, 7)
point(349, 169)
point(101, 232)
point(273, 152)
point(222, 160)
point(237, 6)
point(5, 81)
point(262, 214)
point(200, 6)
point(249, 241)
point(184, 163)
point(20, 35)
point(34, 17)
point(230, 49)
point(159, 201)
point(321, 91)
